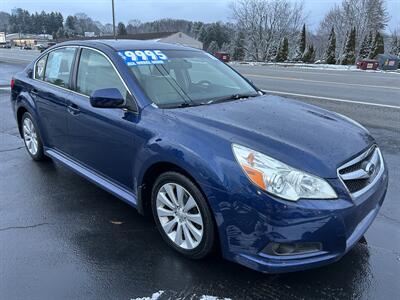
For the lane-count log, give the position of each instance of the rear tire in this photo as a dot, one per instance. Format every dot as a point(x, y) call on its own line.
point(182, 215)
point(31, 136)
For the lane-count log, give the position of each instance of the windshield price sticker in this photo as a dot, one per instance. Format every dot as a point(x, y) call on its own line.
point(143, 57)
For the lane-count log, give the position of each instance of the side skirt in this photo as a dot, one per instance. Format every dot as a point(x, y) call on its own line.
point(94, 177)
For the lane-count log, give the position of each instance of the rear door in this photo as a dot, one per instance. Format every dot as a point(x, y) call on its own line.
point(100, 138)
point(52, 74)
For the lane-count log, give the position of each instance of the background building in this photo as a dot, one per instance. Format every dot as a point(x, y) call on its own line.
point(27, 39)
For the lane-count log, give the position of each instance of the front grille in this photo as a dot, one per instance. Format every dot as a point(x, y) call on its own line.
point(361, 172)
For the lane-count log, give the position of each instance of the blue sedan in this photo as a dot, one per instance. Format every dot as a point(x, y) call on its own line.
point(274, 184)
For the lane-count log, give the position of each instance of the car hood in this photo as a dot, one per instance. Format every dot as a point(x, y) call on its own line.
point(301, 135)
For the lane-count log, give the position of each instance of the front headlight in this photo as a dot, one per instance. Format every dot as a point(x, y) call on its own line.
point(280, 179)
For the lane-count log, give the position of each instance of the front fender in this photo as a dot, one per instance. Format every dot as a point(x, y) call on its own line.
point(203, 166)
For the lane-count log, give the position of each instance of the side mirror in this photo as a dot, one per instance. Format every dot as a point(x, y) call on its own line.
point(107, 98)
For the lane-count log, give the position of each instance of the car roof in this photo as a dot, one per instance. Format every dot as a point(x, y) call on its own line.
point(128, 44)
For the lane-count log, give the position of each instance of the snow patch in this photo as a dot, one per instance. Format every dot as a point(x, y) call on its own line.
point(311, 66)
point(297, 65)
point(207, 297)
point(155, 296)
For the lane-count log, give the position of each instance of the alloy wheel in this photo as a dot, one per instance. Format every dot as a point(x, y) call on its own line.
point(30, 136)
point(180, 216)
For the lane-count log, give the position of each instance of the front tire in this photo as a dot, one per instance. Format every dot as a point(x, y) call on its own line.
point(182, 215)
point(31, 136)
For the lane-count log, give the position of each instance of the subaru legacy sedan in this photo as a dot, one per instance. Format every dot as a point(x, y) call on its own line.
point(272, 183)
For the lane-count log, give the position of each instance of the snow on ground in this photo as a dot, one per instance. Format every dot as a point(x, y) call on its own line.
point(207, 297)
point(309, 66)
point(155, 296)
point(158, 294)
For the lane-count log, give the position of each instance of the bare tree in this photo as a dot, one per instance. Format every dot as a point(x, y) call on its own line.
point(133, 26)
point(364, 15)
point(395, 42)
point(265, 23)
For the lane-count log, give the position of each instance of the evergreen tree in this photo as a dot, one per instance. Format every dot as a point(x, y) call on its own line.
point(301, 46)
point(217, 32)
point(70, 25)
point(272, 52)
point(238, 47)
point(366, 46)
point(349, 54)
point(203, 36)
point(60, 33)
point(121, 30)
point(395, 46)
point(309, 54)
point(283, 50)
point(378, 46)
point(213, 47)
point(330, 53)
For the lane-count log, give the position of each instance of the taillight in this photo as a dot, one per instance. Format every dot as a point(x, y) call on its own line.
point(12, 83)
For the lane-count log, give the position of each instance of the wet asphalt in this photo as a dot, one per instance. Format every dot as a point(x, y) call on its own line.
point(62, 237)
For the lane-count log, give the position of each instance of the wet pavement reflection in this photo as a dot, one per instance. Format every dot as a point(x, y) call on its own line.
point(61, 237)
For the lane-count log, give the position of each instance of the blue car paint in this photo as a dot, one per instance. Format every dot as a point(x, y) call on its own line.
point(118, 147)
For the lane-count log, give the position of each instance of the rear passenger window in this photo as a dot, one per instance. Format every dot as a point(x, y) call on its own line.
point(96, 72)
point(39, 68)
point(58, 67)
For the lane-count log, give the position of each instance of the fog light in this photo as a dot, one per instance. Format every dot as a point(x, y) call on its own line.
point(281, 249)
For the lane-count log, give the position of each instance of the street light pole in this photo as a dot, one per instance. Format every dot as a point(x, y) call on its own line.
point(113, 17)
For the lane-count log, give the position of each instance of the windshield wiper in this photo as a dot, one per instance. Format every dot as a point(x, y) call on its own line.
point(232, 97)
point(185, 104)
point(180, 105)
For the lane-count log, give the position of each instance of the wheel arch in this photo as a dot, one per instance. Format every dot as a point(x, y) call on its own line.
point(145, 188)
point(149, 178)
point(20, 112)
point(24, 103)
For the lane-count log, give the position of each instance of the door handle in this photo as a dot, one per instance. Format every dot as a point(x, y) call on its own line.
point(34, 92)
point(73, 109)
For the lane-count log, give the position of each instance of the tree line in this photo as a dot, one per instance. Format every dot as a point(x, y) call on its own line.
point(260, 30)
point(23, 21)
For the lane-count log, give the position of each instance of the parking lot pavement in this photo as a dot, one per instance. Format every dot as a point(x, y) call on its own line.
point(7, 70)
point(62, 237)
point(18, 56)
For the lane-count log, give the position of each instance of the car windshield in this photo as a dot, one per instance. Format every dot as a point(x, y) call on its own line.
point(176, 78)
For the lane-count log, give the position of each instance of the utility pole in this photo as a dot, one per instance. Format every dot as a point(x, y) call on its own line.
point(113, 17)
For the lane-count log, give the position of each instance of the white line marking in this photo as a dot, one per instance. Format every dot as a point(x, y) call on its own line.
point(344, 72)
point(330, 99)
point(5, 88)
point(323, 82)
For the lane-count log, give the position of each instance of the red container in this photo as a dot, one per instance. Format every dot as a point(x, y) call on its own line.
point(367, 64)
point(225, 57)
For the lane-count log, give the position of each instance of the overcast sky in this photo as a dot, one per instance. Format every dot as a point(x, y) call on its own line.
point(146, 10)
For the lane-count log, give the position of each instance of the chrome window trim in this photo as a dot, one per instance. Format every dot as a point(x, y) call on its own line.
point(34, 66)
point(75, 92)
point(40, 57)
point(358, 159)
point(115, 69)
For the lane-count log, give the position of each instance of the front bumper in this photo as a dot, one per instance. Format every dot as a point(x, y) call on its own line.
point(248, 222)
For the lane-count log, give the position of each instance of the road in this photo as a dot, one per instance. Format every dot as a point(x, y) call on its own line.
point(62, 237)
point(369, 87)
